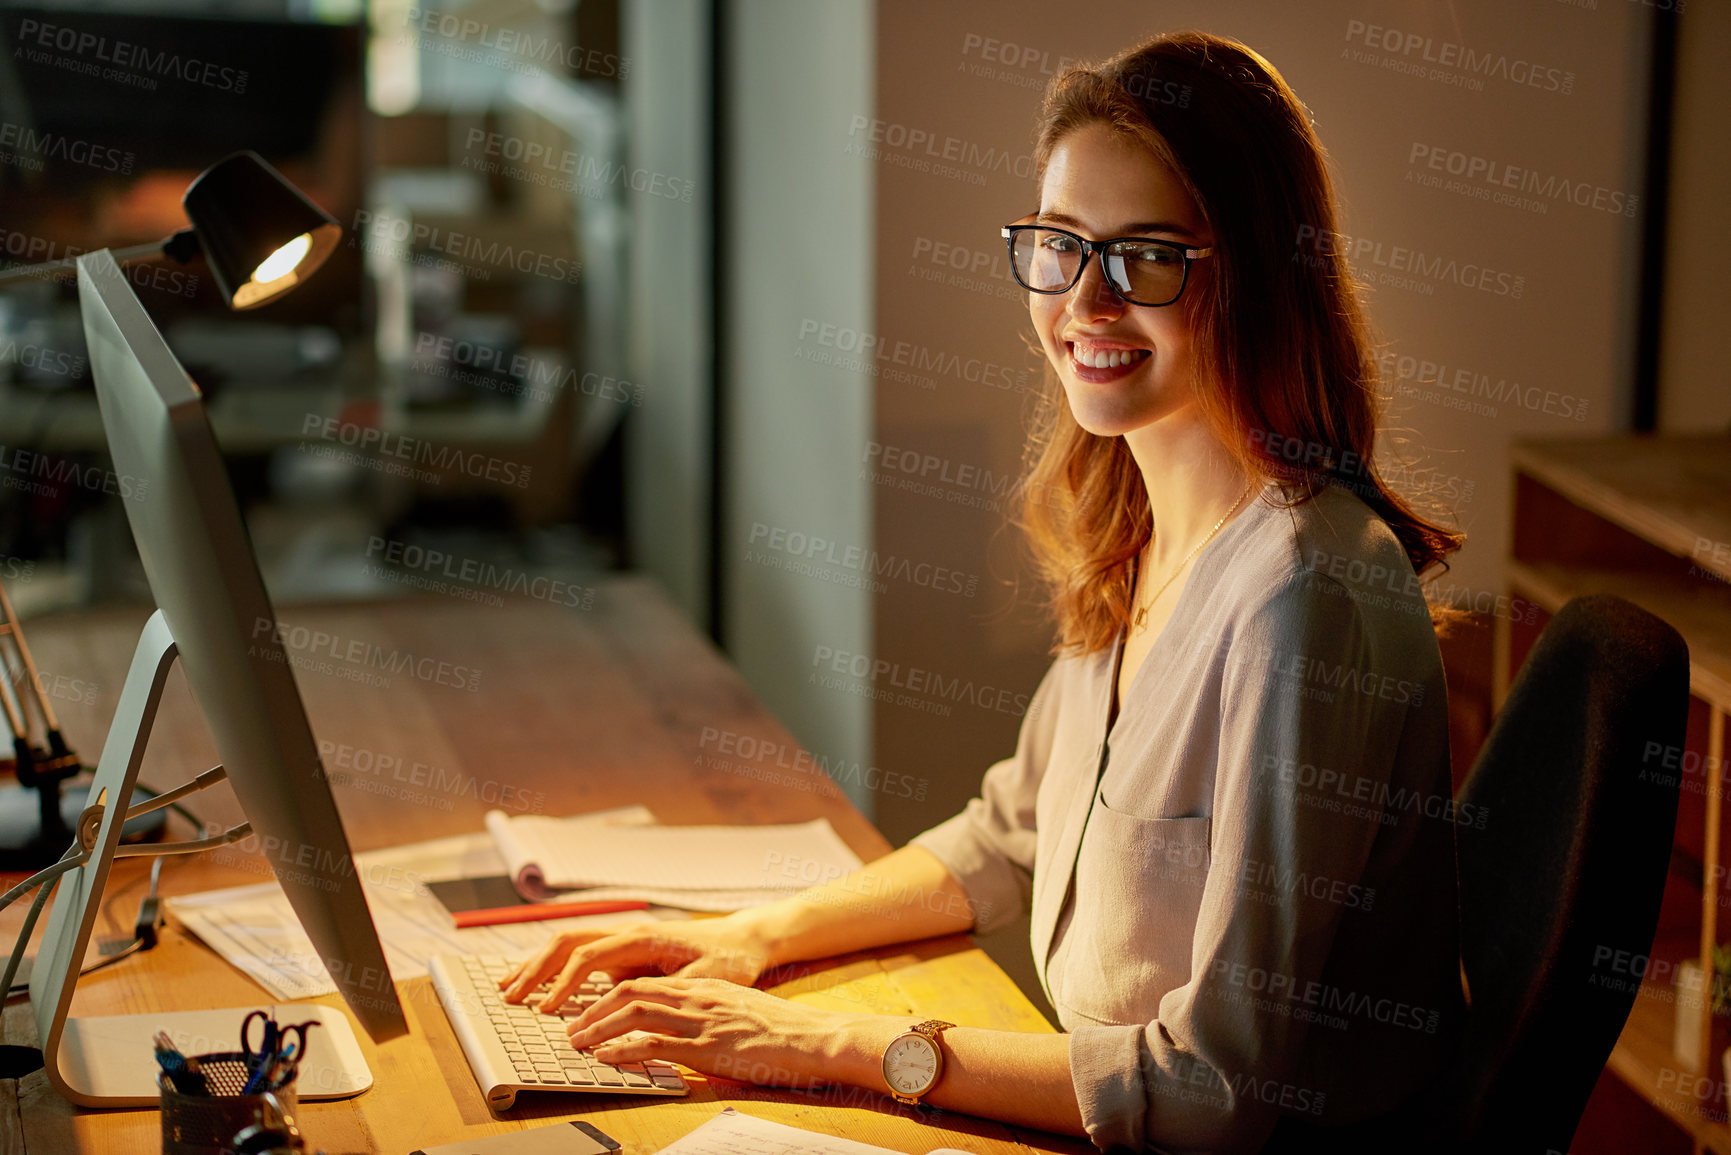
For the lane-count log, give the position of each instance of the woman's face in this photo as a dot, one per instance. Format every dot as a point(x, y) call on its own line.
point(1100, 185)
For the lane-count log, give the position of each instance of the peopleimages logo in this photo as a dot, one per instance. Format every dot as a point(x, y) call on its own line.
point(371, 439)
point(1498, 175)
point(1450, 60)
point(30, 355)
point(1403, 267)
point(922, 150)
point(531, 50)
point(810, 549)
point(38, 144)
point(135, 64)
point(372, 229)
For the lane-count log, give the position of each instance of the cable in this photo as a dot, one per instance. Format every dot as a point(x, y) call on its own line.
point(149, 917)
point(75, 857)
point(161, 798)
point(145, 931)
point(174, 806)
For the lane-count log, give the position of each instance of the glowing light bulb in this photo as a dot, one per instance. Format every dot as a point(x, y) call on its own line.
point(283, 262)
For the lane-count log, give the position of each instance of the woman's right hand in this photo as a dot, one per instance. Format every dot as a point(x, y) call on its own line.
point(701, 948)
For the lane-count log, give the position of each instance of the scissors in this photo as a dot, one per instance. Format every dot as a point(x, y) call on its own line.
point(274, 1050)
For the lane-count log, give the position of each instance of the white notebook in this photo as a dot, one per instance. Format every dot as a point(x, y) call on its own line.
point(691, 867)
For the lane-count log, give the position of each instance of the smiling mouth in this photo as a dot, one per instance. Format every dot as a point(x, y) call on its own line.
point(1094, 357)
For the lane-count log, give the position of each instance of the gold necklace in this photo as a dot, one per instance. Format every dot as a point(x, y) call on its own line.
point(1142, 610)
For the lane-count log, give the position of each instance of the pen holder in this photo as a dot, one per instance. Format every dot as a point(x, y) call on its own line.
point(207, 1124)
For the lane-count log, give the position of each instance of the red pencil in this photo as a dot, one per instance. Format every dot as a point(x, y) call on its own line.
point(541, 911)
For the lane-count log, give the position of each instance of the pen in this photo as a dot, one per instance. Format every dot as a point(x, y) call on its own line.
point(541, 911)
point(181, 1071)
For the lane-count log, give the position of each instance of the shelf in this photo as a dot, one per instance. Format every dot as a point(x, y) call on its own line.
point(1699, 608)
point(1669, 491)
point(1642, 1058)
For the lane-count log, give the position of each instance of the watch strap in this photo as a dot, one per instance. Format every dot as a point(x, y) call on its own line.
point(931, 1028)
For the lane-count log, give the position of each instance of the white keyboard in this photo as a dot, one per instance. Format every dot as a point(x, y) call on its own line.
point(514, 1047)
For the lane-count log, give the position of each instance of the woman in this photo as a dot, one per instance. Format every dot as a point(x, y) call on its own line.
point(1223, 808)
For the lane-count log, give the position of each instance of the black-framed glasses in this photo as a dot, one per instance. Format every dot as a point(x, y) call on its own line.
point(1141, 270)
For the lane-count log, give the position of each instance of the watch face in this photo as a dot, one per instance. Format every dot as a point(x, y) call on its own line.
point(911, 1064)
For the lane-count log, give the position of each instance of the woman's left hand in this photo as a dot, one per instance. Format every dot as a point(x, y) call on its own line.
point(735, 1032)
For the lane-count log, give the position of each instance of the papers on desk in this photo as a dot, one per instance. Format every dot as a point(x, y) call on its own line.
point(255, 929)
point(616, 853)
point(731, 1133)
point(711, 868)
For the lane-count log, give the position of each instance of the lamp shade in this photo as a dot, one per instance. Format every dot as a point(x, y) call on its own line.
point(260, 235)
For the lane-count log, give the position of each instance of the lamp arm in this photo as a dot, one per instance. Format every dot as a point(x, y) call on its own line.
point(182, 247)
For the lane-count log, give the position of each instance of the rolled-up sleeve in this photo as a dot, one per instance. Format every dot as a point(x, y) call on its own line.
point(989, 847)
point(1222, 1060)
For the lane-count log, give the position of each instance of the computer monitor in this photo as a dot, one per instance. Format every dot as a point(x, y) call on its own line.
point(214, 615)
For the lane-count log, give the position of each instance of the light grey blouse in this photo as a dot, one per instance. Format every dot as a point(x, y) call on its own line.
point(1243, 895)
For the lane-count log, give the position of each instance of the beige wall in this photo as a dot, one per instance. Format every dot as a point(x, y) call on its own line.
point(1568, 333)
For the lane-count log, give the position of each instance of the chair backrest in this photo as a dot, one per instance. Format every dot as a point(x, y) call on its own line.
point(1568, 869)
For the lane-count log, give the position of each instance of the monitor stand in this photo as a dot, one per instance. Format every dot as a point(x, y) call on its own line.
point(108, 1061)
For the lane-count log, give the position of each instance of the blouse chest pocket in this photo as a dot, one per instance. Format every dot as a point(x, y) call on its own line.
point(1138, 891)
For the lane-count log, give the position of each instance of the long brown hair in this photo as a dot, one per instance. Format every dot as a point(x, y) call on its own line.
point(1284, 355)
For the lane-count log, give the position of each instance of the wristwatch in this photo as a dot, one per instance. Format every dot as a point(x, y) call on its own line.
point(913, 1062)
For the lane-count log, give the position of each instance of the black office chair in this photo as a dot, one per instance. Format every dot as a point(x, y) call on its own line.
point(1571, 864)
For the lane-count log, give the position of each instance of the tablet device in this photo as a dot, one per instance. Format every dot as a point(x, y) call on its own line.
point(460, 894)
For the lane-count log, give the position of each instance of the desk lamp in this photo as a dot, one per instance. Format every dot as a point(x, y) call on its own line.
point(261, 237)
point(259, 234)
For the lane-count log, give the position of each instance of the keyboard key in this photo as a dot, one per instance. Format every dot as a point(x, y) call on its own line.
point(668, 1081)
point(607, 1076)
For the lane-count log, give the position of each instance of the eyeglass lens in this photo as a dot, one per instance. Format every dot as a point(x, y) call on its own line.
point(1146, 272)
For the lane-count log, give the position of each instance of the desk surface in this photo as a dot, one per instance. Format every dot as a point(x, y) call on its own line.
point(593, 708)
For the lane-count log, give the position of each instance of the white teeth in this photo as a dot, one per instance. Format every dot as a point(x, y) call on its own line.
point(1106, 358)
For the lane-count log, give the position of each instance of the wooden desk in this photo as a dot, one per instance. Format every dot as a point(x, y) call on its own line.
point(592, 708)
